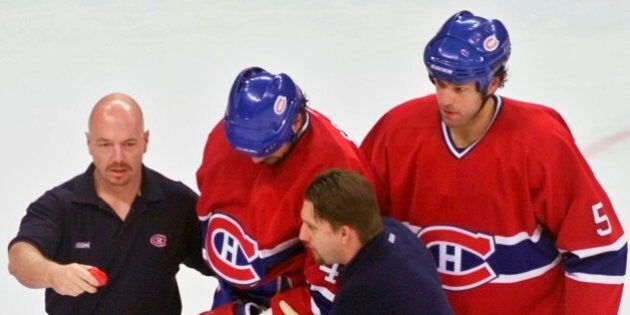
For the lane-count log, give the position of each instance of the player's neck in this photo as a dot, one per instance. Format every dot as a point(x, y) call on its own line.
point(467, 134)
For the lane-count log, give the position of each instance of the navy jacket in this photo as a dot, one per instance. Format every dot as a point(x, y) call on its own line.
point(394, 273)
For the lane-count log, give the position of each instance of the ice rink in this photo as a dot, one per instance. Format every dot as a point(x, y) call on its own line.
point(354, 59)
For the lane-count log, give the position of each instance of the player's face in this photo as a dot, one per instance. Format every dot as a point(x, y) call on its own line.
point(458, 103)
point(282, 152)
point(274, 158)
point(319, 236)
point(117, 145)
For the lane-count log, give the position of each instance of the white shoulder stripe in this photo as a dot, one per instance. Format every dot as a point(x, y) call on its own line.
point(585, 277)
point(583, 253)
point(264, 253)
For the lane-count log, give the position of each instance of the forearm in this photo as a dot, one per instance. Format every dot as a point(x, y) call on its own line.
point(34, 270)
point(29, 266)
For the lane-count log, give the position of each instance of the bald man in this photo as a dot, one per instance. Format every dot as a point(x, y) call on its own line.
point(110, 241)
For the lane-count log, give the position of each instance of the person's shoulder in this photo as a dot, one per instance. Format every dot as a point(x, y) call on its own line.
point(329, 142)
point(405, 121)
point(74, 186)
point(412, 112)
point(170, 186)
point(534, 124)
point(61, 197)
point(531, 113)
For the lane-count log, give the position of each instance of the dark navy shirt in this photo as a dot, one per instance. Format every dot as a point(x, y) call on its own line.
point(141, 255)
point(394, 273)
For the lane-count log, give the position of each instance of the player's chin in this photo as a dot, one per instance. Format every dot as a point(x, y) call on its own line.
point(319, 259)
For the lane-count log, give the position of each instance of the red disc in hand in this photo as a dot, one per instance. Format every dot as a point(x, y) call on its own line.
point(100, 276)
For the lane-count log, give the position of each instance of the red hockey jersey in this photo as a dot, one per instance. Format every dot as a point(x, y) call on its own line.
point(517, 221)
point(252, 218)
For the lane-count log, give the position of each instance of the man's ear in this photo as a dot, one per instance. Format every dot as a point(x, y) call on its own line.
point(298, 121)
point(87, 142)
point(346, 233)
point(145, 136)
point(493, 85)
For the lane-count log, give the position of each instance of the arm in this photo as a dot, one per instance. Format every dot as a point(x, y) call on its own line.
point(573, 206)
point(33, 270)
point(195, 237)
point(317, 293)
point(375, 151)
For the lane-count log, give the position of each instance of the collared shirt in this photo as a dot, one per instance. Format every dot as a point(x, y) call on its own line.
point(141, 255)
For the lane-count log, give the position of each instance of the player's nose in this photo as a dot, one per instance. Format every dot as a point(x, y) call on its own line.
point(303, 234)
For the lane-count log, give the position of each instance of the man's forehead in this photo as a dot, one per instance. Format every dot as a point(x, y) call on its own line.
point(464, 84)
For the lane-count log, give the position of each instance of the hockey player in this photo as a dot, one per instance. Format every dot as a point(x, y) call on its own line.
point(497, 188)
point(257, 164)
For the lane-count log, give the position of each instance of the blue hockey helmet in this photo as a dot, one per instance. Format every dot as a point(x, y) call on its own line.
point(468, 48)
point(260, 112)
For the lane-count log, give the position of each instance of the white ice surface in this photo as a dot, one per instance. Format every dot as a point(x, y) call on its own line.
point(354, 59)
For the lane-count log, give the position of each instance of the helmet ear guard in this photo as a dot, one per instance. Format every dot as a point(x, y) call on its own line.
point(260, 112)
point(467, 48)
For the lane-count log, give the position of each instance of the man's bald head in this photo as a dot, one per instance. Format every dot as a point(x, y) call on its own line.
point(116, 106)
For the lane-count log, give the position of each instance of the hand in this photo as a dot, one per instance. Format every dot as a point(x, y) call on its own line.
point(287, 309)
point(72, 279)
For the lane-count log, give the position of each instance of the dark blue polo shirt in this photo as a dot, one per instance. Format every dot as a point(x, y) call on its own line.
point(141, 255)
point(394, 273)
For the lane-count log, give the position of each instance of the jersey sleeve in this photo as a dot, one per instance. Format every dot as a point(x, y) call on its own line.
point(374, 148)
point(570, 202)
point(317, 295)
point(194, 238)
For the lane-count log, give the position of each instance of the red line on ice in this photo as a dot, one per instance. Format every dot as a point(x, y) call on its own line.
point(607, 142)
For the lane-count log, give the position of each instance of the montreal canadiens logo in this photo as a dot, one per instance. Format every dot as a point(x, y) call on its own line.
point(158, 240)
point(461, 256)
point(491, 43)
point(231, 252)
point(280, 105)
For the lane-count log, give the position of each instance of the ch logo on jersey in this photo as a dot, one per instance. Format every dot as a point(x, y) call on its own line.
point(231, 252)
point(461, 256)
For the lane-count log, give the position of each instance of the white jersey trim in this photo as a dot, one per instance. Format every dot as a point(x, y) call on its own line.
point(519, 237)
point(447, 137)
point(205, 217)
point(264, 253)
point(314, 308)
point(583, 253)
point(585, 277)
point(324, 292)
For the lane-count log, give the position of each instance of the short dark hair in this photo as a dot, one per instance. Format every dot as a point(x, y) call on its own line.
point(501, 73)
point(343, 197)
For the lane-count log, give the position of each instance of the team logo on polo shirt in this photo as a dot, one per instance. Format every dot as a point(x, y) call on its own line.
point(231, 252)
point(462, 256)
point(158, 240)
